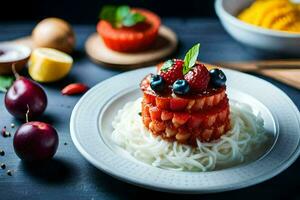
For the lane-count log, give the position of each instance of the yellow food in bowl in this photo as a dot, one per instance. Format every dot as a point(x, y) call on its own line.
point(48, 65)
point(281, 15)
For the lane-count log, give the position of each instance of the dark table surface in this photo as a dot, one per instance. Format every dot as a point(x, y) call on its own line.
point(70, 176)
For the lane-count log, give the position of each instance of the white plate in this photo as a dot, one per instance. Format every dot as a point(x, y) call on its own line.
point(90, 128)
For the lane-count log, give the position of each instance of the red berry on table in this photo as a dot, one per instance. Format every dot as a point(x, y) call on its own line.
point(171, 71)
point(198, 78)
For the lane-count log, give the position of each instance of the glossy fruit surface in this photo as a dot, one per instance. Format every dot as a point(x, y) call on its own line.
point(181, 87)
point(198, 78)
point(35, 141)
point(25, 94)
point(171, 71)
point(74, 88)
point(157, 83)
point(217, 77)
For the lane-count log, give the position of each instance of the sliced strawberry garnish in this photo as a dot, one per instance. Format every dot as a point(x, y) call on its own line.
point(155, 113)
point(198, 78)
point(180, 118)
point(178, 104)
point(162, 102)
point(171, 71)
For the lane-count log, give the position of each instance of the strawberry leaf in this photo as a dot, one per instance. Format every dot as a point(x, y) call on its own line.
point(190, 58)
point(119, 16)
point(5, 82)
point(108, 13)
point(167, 65)
point(133, 19)
point(122, 12)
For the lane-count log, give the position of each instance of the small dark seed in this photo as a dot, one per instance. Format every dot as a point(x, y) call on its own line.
point(65, 143)
point(9, 172)
point(2, 153)
point(140, 113)
point(3, 166)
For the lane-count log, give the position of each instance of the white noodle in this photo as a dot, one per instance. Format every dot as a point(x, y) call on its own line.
point(247, 132)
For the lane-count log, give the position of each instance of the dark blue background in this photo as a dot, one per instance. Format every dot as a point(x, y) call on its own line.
point(86, 11)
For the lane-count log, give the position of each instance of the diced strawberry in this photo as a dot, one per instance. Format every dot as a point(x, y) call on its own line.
point(155, 113)
point(170, 132)
point(149, 98)
point(145, 83)
point(219, 131)
point(178, 104)
point(146, 121)
point(209, 101)
point(207, 134)
point(211, 119)
point(198, 78)
point(190, 104)
point(145, 109)
point(198, 104)
point(182, 137)
point(173, 73)
point(162, 102)
point(157, 126)
point(166, 115)
point(222, 115)
point(194, 122)
point(180, 118)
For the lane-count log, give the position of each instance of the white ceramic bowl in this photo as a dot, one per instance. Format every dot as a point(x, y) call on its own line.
point(262, 38)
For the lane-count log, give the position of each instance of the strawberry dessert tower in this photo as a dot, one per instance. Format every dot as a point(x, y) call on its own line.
point(185, 102)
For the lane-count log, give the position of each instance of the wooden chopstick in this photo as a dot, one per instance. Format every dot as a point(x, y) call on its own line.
point(256, 66)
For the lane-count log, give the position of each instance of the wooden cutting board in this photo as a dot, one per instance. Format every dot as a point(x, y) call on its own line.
point(286, 71)
point(164, 46)
point(290, 77)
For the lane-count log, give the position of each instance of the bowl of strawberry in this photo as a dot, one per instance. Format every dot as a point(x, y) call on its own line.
point(126, 29)
point(181, 96)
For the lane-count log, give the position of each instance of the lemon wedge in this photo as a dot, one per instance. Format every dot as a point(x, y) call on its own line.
point(49, 65)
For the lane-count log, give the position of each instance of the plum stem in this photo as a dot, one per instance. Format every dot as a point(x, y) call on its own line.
point(27, 113)
point(14, 71)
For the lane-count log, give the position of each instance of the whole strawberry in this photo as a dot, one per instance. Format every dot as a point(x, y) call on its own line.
point(171, 71)
point(198, 78)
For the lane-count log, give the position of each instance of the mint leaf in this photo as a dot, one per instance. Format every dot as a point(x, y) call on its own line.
point(190, 58)
point(119, 16)
point(122, 12)
point(166, 66)
point(5, 82)
point(133, 19)
point(108, 13)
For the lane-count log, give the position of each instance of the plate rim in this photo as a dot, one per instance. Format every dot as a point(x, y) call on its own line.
point(210, 189)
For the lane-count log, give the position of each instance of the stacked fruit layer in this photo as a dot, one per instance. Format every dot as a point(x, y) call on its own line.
point(204, 116)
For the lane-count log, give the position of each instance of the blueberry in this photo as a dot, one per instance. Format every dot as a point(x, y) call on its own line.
point(157, 83)
point(181, 87)
point(217, 77)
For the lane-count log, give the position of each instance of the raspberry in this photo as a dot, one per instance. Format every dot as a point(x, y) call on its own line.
point(198, 78)
point(173, 73)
